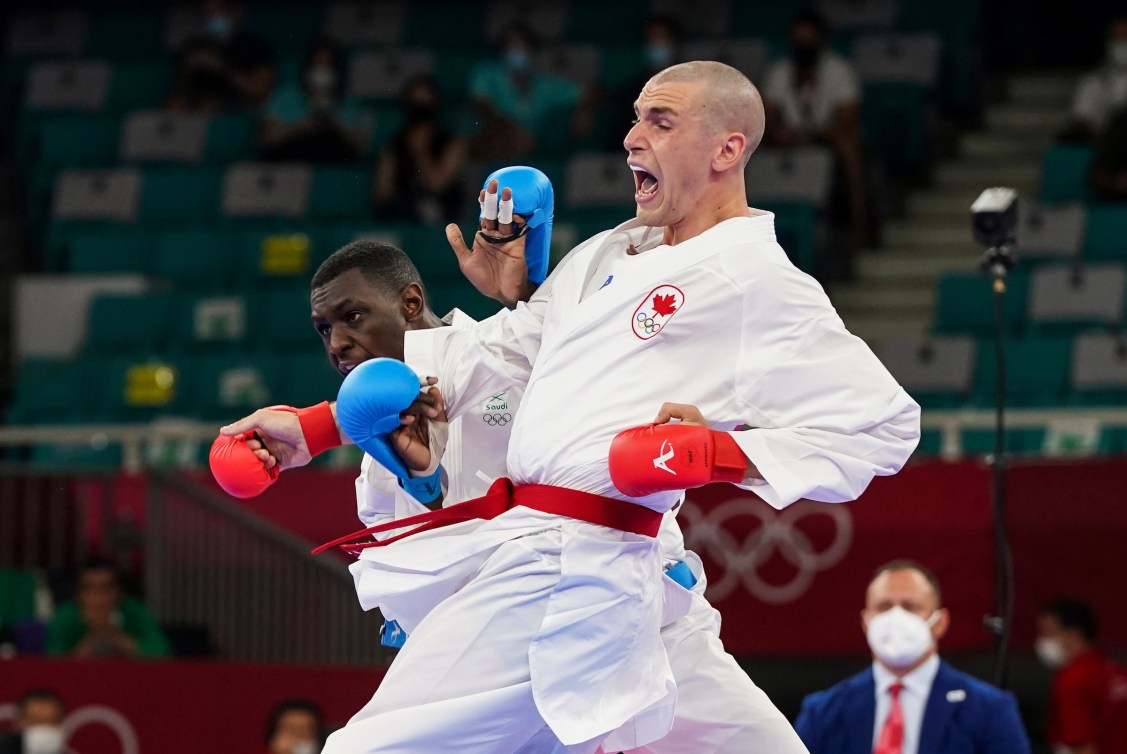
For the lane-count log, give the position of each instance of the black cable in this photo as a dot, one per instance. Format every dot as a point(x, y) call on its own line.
point(1002, 621)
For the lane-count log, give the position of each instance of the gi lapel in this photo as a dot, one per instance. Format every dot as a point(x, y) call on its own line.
point(945, 697)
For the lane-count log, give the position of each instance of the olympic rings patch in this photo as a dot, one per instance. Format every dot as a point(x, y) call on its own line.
point(656, 310)
point(497, 420)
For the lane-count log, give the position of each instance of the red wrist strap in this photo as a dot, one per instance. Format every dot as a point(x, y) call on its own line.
point(319, 428)
point(729, 464)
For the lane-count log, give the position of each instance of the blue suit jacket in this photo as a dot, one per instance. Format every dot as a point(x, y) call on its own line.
point(963, 715)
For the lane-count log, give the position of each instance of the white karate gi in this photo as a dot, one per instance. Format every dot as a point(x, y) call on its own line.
point(719, 709)
point(542, 632)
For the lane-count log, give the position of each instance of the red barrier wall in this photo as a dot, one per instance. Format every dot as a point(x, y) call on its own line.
point(183, 707)
point(793, 581)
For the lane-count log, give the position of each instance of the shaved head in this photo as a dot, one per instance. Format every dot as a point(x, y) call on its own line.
point(727, 98)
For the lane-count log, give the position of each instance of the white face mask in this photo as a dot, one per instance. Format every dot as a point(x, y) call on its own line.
point(899, 638)
point(1117, 53)
point(1049, 651)
point(43, 739)
point(305, 747)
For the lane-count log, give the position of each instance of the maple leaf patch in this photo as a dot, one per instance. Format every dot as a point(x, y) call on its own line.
point(664, 305)
point(655, 311)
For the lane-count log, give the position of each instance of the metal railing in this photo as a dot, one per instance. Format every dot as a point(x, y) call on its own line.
point(260, 593)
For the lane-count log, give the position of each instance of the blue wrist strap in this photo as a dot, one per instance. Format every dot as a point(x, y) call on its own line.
point(682, 574)
point(392, 635)
point(425, 489)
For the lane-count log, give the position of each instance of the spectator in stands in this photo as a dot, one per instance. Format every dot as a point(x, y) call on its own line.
point(813, 97)
point(226, 68)
point(39, 725)
point(515, 102)
point(1102, 92)
point(102, 622)
point(313, 119)
point(662, 41)
point(1109, 164)
point(908, 690)
point(1088, 705)
point(419, 176)
point(297, 726)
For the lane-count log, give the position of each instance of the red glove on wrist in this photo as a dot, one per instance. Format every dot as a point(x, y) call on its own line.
point(237, 469)
point(242, 475)
point(659, 457)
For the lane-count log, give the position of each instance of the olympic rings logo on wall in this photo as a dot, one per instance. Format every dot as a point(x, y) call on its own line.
point(739, 562)
point(91, 714)
point(497, 420)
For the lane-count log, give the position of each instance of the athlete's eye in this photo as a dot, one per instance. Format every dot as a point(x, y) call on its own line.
point(353, 317)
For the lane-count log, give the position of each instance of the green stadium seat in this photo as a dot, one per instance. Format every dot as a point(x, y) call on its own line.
point(86, 457)
point(796, 227)
point(307, 378)
point(231, 138)
point(199, 258)
point(444, 24)
point(1037, 371)
point(277, 254)
point(343, 193)
point(180, 194)
point(965, 304)
point(894, 121)
point(140, 86)
point(280, 320)
point(1113, 439)
point(288, 26)
point(931, 443)
point(1064, 174)
point(126, 35)
point(223, 388)
point(978, 442)
point(108, 251)
point(17, 595)
point(1106, 236)
point(138, 388)
point(124, 324)
point(211, 323)
point(62, 385)
point(770, 20)
point(73, 141)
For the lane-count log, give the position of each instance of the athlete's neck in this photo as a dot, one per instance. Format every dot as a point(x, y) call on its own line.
point(706, 217)
point(429, 320)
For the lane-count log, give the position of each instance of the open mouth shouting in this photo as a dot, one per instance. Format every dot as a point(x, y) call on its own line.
point(646, 184)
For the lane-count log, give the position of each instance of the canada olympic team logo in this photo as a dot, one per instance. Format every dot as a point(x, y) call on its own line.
point(738, 538)
point(656, 310)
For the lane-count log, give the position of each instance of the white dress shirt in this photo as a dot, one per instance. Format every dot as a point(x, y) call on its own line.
point(913, 700)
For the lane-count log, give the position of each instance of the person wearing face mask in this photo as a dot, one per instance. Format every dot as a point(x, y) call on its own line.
point(224, 67)
point(297, 726)
point(516, 102)
point(419, 176)
point(312, 119)
point(812, 96)
point(909, 701)
point(662, 40)
point(1103, 92)
point(39, 725)
point(1088, 704)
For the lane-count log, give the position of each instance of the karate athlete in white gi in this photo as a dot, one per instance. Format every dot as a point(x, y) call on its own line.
point(542, 630)
point(720, 710)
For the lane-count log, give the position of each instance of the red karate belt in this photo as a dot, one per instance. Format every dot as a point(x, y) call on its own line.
point(503, 496)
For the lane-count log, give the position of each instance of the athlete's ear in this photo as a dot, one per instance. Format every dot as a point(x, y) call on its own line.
point(730, 153)
point(412, 303)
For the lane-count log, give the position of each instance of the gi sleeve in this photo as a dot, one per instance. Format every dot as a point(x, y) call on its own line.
point(471, 362)
point(380, 499)
point(825, 416)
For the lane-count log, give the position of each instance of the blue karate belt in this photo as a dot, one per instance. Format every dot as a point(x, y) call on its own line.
point(393, 635)
point(682, 574)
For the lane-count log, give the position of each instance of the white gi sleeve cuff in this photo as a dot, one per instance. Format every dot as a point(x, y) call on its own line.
point(779, 487)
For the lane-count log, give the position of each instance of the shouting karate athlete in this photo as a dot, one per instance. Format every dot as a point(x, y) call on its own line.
point(364, 297)
point(544, 630)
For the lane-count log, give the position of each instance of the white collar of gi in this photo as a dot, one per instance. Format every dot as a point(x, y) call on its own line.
point(458, 319)
point(918, 682)
point(757, 225)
